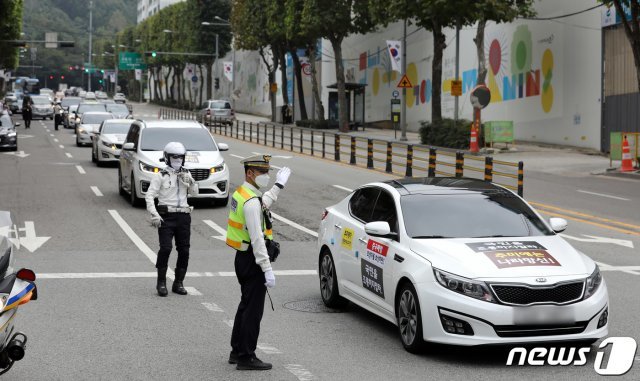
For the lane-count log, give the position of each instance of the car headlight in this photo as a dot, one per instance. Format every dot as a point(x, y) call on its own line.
point(218, 168)
point(77, 120)
point(109, 145)
point(593, 282)
point(81, 131)
point(148, 168)
point(11, 134)
point(464, 286)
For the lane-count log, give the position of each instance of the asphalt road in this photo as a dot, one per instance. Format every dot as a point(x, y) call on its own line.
point(98, 316)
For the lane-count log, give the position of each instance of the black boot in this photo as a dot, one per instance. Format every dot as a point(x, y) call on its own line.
point(162, 282)
point(177, 283)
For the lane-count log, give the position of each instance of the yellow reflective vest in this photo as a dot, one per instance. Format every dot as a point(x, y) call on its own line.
point(237, 233)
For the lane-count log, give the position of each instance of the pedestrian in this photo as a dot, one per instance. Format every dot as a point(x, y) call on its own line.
point(27, 111)
point(249, 226)
point(172, 216)
point(57, 112)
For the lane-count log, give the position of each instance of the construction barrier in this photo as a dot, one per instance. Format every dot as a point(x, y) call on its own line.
point(402, 159)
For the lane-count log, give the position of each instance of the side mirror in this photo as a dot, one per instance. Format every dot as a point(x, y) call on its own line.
point(17, 125)
point(162, 159)
point(558, 224)
point(223, 146)
point(129, 147)
point(378, 229)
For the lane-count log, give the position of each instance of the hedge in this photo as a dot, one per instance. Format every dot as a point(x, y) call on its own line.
point(446, 134)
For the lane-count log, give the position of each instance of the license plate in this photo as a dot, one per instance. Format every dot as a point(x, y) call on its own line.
point(544, 315)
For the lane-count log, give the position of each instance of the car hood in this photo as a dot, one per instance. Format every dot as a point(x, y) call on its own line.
point(90, 127)
point(541, 256)
point(195, 159)
point(6, 130)
point(113, 138)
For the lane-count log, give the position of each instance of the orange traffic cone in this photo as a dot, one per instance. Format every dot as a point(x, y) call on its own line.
point(473, 146)
point(627, 164)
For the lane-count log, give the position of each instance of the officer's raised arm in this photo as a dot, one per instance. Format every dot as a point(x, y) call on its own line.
point(271, 195)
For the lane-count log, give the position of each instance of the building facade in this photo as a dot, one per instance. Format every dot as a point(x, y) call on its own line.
point(147, 8)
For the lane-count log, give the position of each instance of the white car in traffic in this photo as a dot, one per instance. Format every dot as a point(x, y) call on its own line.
point(141, 157)
point(107, 142)
point(459, 261)
point(89, 124)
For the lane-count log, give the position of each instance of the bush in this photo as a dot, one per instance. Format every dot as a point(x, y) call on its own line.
point(312, 123)
point(446, 134)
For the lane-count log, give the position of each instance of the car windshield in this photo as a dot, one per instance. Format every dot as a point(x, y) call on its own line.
point(73, 108)
point(117, 108)
point(41, 101)
point(70, 101)
point(5, 121)
point(116, 128)
point(476, 215)
point(95, 118)
point(194, 139)
point(220, 105)
point(90, 107)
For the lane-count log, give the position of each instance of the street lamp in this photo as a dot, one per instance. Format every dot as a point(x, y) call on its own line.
point(217, 55)
point(233, 57)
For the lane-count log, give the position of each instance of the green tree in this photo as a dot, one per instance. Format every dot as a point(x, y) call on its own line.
point(10, 28)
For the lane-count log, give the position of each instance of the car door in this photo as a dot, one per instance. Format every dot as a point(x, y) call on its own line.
point(127, 157)
point(359, 212)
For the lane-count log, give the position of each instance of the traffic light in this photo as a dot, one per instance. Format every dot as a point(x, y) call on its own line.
point(151, 54)
point(100, 81)
point(66, 44)
point(51, 77)
point(70, 67)
point(62, 77)
point(101, 71)
point(154, 54)
point(217, 83)
point(86, 70)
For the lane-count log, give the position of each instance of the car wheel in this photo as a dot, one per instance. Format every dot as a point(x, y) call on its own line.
point(409, 319)
point(120, 188)
point(15, 148)
point(135, 200)
point(329, 282)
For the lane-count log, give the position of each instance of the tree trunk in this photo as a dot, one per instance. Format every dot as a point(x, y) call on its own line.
point(482, 62)
point(314, 82)
point(209, 80)
point(201, 84)
point(342, 95)
point(271, 70)
point(439, 44)
point(166, 84)
point(283, 78)
point(156, 84)
point(298, 71)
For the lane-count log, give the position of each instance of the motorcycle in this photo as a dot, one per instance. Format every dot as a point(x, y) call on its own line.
point(16, 288)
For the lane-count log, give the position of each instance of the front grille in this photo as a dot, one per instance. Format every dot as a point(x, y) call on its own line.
point(200, 174)
point(540, 330)
point(523, 295)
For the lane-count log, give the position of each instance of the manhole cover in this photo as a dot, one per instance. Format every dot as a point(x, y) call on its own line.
point(309, 305)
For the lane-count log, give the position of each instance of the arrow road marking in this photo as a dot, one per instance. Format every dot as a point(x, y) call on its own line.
point(216, 227)
point(625, 269)
point(30, 240)
point(596, 239)
point(19, 154)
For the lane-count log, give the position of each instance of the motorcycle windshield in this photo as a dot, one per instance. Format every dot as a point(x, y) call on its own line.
point(7, 229)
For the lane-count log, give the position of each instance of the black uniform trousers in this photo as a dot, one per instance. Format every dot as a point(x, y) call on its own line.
point(246, 325)
point(178, 225)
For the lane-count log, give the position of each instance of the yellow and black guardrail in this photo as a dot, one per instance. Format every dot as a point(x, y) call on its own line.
point(402, 159)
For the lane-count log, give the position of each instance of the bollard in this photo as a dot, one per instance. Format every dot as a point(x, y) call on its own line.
point(369, 153)
point(409, 172)
point(225, 129)
point(311, 142)
point(301, 142)
point(281, 137)
point(323, 142)
point(459, 163)
point(244, 130)
point(336, 145)
point(266, 128)
point(521, 179)
point(389, 168)
point(353, 150)
point(488, 168)
point(273, 135)
point(432, 162)
point(251, 131)
point(291, 138)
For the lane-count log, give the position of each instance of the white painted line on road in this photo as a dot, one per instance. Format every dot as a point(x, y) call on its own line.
point(275, 166)
point(596, 239)
point(56, 140)
point(295, 225)
point(229, 323)
point(216, 227)
point(146, 250)
point(343, 188)
point(604, 195)
point(300, 372)
point(236, 156)
point(61, 146)
point(96, 191)
point(268, 349)
point(212, 307)
point(68, 155)
point(52, 135)
point(633, 270)
point(81, 170)
point(221, 274)
point(193, 291)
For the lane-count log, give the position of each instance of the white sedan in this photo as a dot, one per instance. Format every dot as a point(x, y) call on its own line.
point(458, 261)
point(107, 142)
point(89, 125)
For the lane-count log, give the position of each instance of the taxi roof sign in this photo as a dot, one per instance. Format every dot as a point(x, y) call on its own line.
point(404, 83)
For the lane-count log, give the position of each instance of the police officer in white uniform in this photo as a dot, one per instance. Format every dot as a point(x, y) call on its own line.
point(172, 216)
point(246, 233)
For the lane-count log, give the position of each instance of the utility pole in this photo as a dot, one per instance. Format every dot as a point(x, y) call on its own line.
point(403, 115)
point(455, 115)
point(90, 42)
point(215, 71)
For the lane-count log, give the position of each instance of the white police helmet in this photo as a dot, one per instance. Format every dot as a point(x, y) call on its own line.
point(174, 149)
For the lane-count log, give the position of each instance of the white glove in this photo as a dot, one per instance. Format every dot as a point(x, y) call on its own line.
point(184, 177)
point(270, 279)
point(156, 221)
point(283, 176)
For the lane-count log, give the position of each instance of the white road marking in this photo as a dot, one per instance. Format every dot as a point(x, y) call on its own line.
point(30, 240)
point(603, 195)
point(80, 169)
point(193, 291)
point(268, 349)
point(596, 239)
point(96, 191)
point(236, 156)
point(146, 250)
point(275, 166)
point(61, 146)
point(212, 307)
point(295, 225)
point(52, 135)
point(68, 155)
point(222, 274)
point(343, 188)
point(19, 154)
point(633, 270)
point(216, 227)
point(229, 323)
point(56, 140)
point(300, 372)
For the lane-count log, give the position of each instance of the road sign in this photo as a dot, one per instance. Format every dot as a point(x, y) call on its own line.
point(480, 96)
point(194, 78)
point(131, 61)
point(274, 87)
point(404, 83)
point(51, 40)
point(456, 88)
point(395, 93)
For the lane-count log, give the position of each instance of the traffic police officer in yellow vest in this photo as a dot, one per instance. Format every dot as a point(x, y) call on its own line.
point(246, 233)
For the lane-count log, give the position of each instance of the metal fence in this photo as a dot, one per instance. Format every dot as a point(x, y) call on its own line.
point(402, 159)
